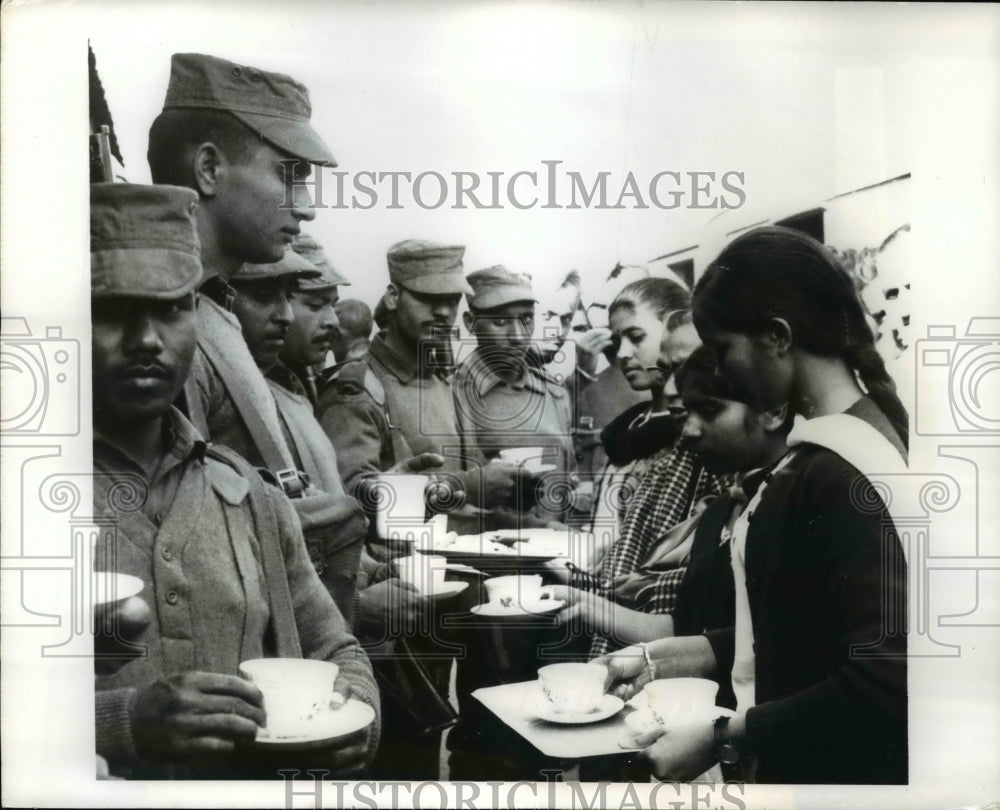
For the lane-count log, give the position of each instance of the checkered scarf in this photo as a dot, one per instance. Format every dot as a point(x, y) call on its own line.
point(673, 483)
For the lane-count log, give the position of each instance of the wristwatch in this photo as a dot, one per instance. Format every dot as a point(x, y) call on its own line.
point(725, 751)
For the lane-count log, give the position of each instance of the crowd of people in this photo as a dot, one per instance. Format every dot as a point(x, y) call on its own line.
point(716, 458)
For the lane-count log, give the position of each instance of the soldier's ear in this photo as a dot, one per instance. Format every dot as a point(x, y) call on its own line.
point(468, 320)
point(391, 297)
point(207, 163)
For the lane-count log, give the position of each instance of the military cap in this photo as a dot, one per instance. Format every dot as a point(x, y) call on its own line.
point(496, 286)
point(274, 105)
point(309, 249)
point(143, 241)
point(291, 264)
point(427, 267)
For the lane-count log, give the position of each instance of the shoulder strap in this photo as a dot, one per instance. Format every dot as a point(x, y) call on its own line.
point(275, 456)
point(194, 407)
point(268, 536)
point(360, 373)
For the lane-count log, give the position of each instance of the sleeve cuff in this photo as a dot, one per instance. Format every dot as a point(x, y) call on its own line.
point(113, 726)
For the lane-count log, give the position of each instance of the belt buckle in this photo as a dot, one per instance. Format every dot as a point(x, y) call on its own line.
point(292, 482)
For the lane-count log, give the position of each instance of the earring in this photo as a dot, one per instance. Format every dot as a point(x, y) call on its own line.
point(777, 417)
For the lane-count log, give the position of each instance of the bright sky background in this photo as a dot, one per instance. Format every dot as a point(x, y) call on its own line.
point(805, 102)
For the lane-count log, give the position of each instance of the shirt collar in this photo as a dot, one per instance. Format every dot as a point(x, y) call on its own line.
point(402, 369)
point(485, 379)
point(285, 377)
point(181, 440)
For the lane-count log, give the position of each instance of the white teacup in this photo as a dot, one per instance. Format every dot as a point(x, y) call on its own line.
point(528, 456)
point(400, 513)
point(425, 572)
point(435, 531)
point(521, 589)
point(296, 691)
point(680, 701)
point(573, 688)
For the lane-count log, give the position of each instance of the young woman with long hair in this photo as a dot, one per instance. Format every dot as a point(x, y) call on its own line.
point(817, 656)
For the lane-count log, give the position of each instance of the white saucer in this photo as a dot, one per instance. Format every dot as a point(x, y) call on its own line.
point(540, 469)
point(110, 586)
point(445, 590)
point(608, 707)
point(642, 721)
point(516, 611)
point(325, 730)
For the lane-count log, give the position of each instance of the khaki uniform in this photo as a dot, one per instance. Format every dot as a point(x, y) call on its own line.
point(378, 411)
point(337, 554)
point(195, 545)
point(494, 415)
point(220, 554)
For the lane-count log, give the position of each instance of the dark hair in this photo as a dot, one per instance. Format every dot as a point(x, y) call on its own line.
point(700, 372)
point(355, 318)
point(662, 295)
point(776, 272)
point(175, 132)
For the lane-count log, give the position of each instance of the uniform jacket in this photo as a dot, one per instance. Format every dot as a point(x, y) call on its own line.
point(194, 544)
point(493, 415)
point(378, 411)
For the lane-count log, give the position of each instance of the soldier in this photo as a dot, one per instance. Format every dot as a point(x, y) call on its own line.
point(220, 552)
point(316, 322)
point(394, 403)
point(265, 305)
point(502, 400)
point(241, 138)
point(380, 411)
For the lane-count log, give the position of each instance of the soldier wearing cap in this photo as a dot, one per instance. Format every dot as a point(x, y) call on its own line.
point(315, 321)
point(502, 400)
point(397, 402)
point(222, 587)
point(241, 138)
point(263, 306)
point(389, 407)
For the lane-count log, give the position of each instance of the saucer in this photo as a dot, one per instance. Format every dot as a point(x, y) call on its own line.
point(642, 721)
point(325, 730)
point(445, 590)
point(540, 469)
point(539, 607)
point(609, 706)
point(110, 586)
